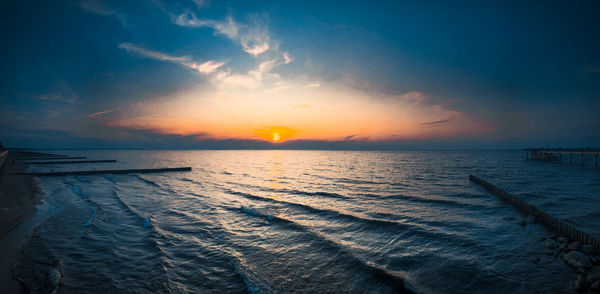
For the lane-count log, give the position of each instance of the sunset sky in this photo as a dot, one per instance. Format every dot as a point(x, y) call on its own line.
point(299, 74)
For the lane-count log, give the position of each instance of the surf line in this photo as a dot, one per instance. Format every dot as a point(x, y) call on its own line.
point(550, 221)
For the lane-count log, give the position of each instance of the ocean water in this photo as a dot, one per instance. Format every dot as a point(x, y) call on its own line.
point(305, 221)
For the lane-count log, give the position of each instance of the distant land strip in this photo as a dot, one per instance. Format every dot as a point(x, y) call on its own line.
point(114, 171)
point(550, 221)
point(70, 161)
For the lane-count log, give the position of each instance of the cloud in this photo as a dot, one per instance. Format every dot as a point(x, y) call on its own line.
point(593, 67)
point(200, 3)
point(312, 85)
point(437, 122)
point(102, 112)
point(228, 27)
point(205, 68)
point(54, 97)
point(287, 58)
point(260, 77)
point(298, 106)
point(256, 50)
point(96, 6)
point(254, 39)
point(151, 54)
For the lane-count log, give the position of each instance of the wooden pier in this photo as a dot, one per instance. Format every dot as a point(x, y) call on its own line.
point(556, 154)
point(550, 221)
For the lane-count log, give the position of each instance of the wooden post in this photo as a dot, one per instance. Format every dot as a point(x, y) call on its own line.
point(595, 160)
point(581, 158)
point(569, 158)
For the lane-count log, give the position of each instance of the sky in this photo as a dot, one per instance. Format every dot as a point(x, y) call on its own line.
point(299, 74)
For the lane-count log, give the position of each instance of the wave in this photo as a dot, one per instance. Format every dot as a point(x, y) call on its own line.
point(149, 182)
point(407, 229)
point(77, 191)
point(293, 191)
point(253, 283)
point(91, 219)
point(377, 273)
point(254, 212)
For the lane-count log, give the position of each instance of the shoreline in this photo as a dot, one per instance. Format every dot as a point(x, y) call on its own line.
point(20, 207)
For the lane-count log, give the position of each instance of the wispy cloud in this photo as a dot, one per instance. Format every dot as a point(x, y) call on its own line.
point(312, 85)
point(61, 97)
point(254, 39)
point(101, 8)
point(593, 67)
point(260, 77)
point(287, 58)
point(437, 122)
point(227, 27)
point(200, 3)
point(258, 49)
point(298, 106)
point(102, 112)
point(96, 6)
point(207, 67)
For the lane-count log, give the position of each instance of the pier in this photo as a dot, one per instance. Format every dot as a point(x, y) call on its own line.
point(559, 225)
point(557, 154)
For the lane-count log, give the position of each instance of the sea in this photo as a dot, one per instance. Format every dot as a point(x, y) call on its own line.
point(281, 221)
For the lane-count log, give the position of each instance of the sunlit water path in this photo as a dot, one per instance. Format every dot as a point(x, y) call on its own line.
point(306, 221)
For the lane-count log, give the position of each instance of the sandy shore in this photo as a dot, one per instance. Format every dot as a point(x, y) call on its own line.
point(19, 196)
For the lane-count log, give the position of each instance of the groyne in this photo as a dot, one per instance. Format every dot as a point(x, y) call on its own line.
point(70, 161)
point(554, 223)
point(114, 171)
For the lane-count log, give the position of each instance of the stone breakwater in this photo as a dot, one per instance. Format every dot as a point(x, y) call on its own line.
point(585, 259)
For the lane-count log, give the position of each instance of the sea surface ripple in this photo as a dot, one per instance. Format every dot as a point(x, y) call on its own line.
point(305, 221)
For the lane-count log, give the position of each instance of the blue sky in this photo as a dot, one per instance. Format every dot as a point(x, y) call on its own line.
point(362, 75)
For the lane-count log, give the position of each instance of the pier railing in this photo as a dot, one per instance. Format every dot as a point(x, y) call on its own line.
point(550, 221)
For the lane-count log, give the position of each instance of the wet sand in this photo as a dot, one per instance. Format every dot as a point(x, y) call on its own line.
point(19, 196)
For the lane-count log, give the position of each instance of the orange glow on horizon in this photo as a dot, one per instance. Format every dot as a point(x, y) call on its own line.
point(328, 113)
point(275, 134)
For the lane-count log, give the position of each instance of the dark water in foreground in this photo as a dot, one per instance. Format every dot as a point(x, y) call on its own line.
point(305, 221)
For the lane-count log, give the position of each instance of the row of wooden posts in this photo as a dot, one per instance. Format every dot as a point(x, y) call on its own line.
point(44, 158)
point(550, 221)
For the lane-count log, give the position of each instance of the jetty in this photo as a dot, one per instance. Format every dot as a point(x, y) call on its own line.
point(70, 161)
point(556, 224)
point(113, 171)
point(27, 157)
point(557, 154)
point(53, 157)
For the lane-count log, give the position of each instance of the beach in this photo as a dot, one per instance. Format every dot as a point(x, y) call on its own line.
point(19, 196)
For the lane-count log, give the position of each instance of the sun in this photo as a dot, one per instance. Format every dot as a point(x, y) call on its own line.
point(275, 134)
point(276, 137)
